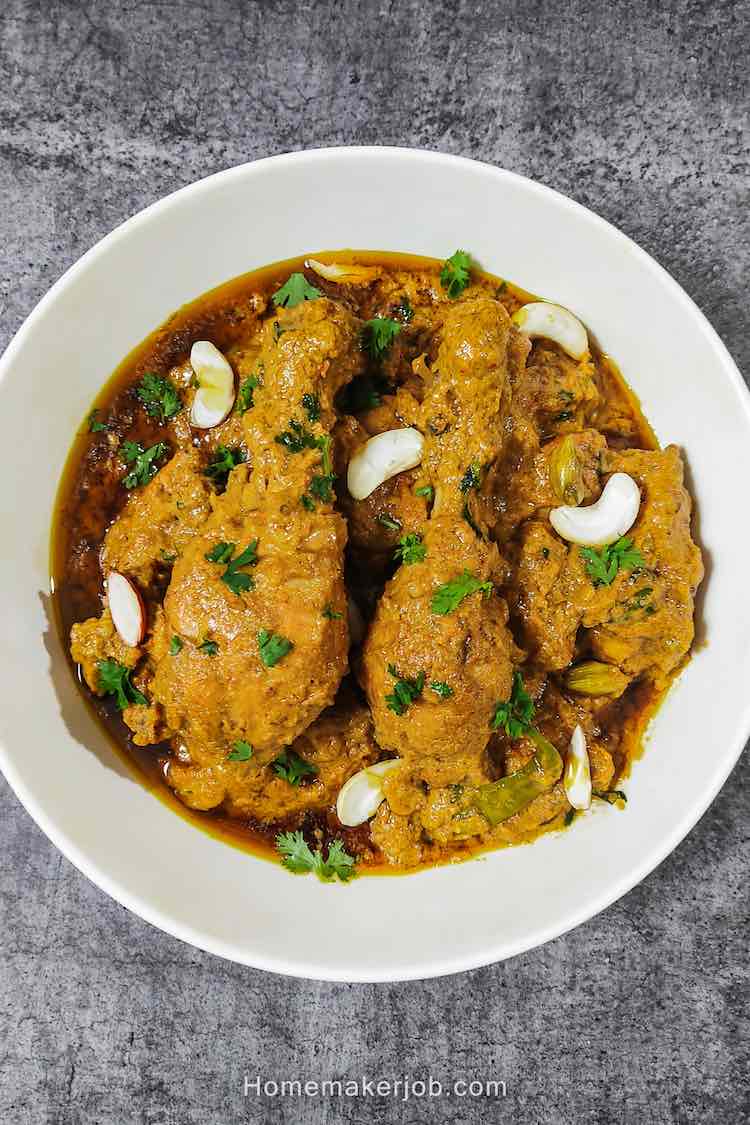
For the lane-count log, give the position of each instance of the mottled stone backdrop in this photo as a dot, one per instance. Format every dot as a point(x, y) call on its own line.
point(637, 110)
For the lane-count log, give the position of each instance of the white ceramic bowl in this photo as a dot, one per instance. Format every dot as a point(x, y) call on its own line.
point(53, 753)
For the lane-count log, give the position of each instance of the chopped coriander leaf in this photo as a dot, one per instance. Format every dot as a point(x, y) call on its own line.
point(233, 577)
point(403, 310)
point(378, 335)
point(611, 796)
point(471, 478)
point(114, 679)
point(272, 647)
point(466, 513)
point(363, 394)
point(241, 753)
point(307, 502)
point(445, 691)
point(324, 445)
point(331, 614)
point(450, 595)
point(209, 647)
point(603, 565)
point(225, 459)
point(322, 486)
point(296, 438)
point(426, 490)
point(175, 645)
point(168, 556)
point(221, 553)
point(291, 767)
point(300, 859)
point(405, 691)
point(143, 461)
point(311, 404)
point(456, 273)
point(294, 291)
point(389, 522)
point(245, 395)
point(515, 715)
point(159, 396)
point(94, 426)
point(410, 550)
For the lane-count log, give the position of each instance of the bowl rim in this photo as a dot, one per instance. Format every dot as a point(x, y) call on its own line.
point(144, 909)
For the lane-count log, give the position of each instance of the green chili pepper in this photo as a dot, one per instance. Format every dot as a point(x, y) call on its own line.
point(498, 800)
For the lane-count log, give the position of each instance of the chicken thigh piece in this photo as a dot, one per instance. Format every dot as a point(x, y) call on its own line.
point(440, 628)
point(257, 599)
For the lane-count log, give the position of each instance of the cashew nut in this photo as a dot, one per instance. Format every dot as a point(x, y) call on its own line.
point(215, 395)
point(577, 775)
point(596, 525)
point(553, 322)
point(383, 457)
point(360, 797)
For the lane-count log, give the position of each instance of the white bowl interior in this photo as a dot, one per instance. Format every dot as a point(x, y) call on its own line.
point(59, 762)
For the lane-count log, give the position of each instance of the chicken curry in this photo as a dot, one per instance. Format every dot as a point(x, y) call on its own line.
point(374, 563)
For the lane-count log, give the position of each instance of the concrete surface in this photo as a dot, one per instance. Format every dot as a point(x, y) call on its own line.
point(638, 111)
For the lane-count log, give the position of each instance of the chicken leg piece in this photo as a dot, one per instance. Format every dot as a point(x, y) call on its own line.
point(440, 628)
point(257, 599)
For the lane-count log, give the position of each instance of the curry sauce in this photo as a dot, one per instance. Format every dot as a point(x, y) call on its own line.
point(251, 700)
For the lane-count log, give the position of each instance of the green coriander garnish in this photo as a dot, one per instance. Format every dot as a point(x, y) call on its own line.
point(159, 396)
point(94, 426)
point(450, 595)
point(311, 405)
point(209, 647)
point(242, 752)
point(300, 859)
point(445, 691)
point(289, 766)
point(425, 490)
point(224, 459)
point(294, 291)
point(331, 614)
point(611, 796)
point(175, 645)
point(410, 549)
point(471, 478)
point(456, 273)
point(233, 576)
point(405, 691)
point(389, 522)
point(143, 462)
point(114, 679)
point(603, 565)
point(516, 714)
point(272, 647)
point(245, 395)
point(378, 335)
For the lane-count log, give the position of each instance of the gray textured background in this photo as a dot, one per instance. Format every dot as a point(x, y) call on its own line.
point(638, 111)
